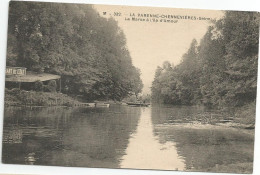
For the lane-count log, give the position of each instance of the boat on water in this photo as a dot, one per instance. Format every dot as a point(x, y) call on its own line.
point(91, 104)
point(138, 104)
point(103, 105)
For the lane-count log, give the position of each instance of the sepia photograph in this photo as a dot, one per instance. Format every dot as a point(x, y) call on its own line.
point(130, 87)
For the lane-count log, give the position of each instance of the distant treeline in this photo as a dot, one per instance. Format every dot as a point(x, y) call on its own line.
point(74, 41)
point(220, 70)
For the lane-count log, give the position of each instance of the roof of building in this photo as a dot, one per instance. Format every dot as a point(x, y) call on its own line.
point(32, 77)
point(16, 67)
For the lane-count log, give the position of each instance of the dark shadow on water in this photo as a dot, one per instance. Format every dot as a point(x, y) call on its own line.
point(82, 137)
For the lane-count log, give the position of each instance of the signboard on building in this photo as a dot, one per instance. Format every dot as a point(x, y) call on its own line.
point(15, 71)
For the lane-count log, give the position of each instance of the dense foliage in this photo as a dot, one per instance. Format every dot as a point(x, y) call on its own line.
point(74, 41)
point(220, 70)
point(17, 97)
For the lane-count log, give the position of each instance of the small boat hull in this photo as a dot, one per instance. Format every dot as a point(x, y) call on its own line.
point(138, 104)
point(102, 105)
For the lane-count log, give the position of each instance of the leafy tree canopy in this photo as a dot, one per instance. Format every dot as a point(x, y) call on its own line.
point(74, 41)
point(221, 70)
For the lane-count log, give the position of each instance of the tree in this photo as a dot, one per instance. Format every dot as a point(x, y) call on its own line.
point(222, 70)
point(74, 41)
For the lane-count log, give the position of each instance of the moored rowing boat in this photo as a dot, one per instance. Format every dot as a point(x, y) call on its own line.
point(138, 104)
point(102, 105)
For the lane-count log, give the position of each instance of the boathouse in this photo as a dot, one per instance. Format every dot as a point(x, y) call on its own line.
point(19, 76)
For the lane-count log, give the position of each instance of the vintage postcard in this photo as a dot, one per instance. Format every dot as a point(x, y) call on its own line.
point(110, 86)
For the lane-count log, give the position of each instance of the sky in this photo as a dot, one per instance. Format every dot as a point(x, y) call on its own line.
point(152, 43)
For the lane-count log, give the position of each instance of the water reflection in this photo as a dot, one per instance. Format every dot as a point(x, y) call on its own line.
point(158, 137)
point(145, 152)
point(69, 137)
point(203, 147)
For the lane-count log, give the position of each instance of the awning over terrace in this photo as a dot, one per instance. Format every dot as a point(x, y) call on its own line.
point(31, 77)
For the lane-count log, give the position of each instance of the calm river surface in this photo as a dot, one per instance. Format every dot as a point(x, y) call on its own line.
point(157, 137)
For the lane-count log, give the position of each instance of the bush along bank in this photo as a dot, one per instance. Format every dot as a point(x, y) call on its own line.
point(246, 115)
point(16, 97)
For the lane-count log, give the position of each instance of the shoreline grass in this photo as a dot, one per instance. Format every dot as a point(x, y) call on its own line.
point(17, 97)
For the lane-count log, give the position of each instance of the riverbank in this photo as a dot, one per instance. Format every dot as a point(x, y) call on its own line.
point(16, 97)
point(246, 115)
point(242, 117)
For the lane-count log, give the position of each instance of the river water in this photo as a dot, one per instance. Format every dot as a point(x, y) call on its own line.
point(157, 137)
